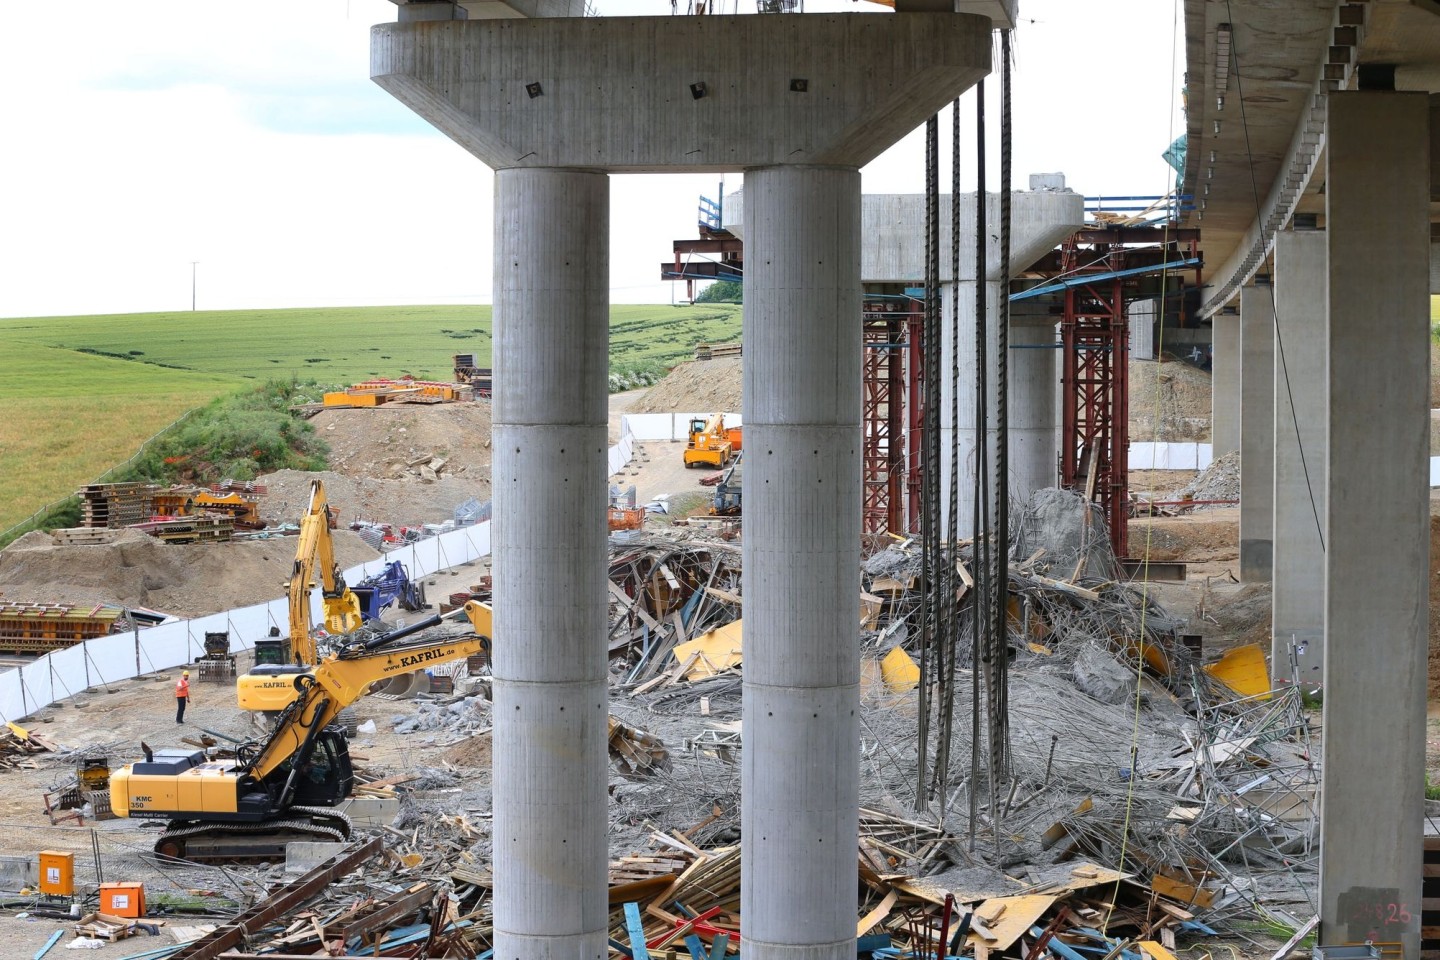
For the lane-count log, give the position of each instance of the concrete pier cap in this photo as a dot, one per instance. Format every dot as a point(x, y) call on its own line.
point(892, 241)
point(615, 93)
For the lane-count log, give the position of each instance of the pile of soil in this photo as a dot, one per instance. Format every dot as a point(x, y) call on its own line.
point(135, 569)
point(1168, 401)
point(696, 386)
point(382, 462)
point(1219, 481)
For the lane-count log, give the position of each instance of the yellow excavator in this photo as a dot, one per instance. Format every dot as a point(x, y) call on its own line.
point(280, 789)
point(270, 685)
point(283, 787)
point(709, 443)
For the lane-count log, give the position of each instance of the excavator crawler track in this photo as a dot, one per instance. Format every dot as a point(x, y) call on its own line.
point(223, 843)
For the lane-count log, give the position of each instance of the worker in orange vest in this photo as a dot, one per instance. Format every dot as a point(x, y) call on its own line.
point(182, 695)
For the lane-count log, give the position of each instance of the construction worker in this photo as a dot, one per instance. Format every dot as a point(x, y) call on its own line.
point(182, 695)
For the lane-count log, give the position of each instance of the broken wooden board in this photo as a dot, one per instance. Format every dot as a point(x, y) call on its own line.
point(715, 652)
point(1009, 918)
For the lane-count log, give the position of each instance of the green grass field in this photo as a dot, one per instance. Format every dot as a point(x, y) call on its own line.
point(87, 391)
point(342, 345)
point(67, 417)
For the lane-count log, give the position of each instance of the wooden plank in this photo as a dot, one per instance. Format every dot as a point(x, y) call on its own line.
point(385, 916)
point(636, 929)
point(868, 922)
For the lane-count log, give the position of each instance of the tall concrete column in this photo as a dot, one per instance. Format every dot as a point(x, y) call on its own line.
point(799, 808)
point(1298, 590)
point(1225, 383)
point(1378, 547)
point(551, 315)
point(1031, 403)
point(1034, 379)
point(1257, 431)
point(1038, 221)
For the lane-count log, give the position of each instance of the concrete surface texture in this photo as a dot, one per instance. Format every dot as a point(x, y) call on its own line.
point(550, 693)
point(1377, 549)
point(1257, 431)
point(1225, 379)
point(800, 765)
point(1039, 220)
point(1298, 613)
point(677, 94)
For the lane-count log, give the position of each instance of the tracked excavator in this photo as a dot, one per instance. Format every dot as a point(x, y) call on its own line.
point(270, 686)
point(281, 788)
point(284, 787)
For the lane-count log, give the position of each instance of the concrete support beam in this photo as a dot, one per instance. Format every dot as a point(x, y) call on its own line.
point(1377, 553)
point(552, 278)
point(800, 766)
point(1257, 431)
point(1298, 591)
point(620, 93)
point(1225, 383)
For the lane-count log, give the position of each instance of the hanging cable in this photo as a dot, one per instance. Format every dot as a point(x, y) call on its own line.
point(951, 637)
point(929, 493)
point(1274, 307)
point(980, 521)
point(999, 691)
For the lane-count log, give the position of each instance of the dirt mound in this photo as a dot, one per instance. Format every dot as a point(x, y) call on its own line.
point(138, 570)
point(384, 460)
point(1168, 401)
point(400, 502)
point(697, 386)
point(1219, 481)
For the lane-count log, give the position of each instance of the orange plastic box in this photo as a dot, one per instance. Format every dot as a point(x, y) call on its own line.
point(57, 873)
point(123, 899)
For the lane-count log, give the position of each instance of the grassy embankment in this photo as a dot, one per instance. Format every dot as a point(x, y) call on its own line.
point(95, 387)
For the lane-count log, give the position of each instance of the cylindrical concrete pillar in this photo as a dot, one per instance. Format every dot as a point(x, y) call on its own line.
point(800, 768)
point(1034, 437)
point(549, 480)
point(1031, 409)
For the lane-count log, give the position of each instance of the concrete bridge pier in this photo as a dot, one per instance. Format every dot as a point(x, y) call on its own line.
point(801, 557)
point(552, 105)
point(552, 332)
point(1377, 549)
point(1298, 589)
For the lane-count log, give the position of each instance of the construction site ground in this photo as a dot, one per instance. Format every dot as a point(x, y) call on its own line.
point(370, 478)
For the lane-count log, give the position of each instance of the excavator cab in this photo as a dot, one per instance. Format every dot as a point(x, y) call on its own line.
point(326, 777)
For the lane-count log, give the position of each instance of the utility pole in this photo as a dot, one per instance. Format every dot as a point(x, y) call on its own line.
point(192, 284)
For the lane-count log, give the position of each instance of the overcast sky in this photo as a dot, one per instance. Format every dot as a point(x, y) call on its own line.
point(249, 137)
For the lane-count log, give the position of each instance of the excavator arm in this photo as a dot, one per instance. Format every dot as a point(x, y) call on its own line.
point(316, 549)
point(343, 677)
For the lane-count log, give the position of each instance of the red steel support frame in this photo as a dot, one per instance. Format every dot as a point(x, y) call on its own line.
point(1095, 442)
point(889, 342)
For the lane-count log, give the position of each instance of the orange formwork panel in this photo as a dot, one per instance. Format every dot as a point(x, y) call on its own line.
point(42, 627)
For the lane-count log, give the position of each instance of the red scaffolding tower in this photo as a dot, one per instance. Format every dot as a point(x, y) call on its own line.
point(1101, 269)
point(891, 340)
